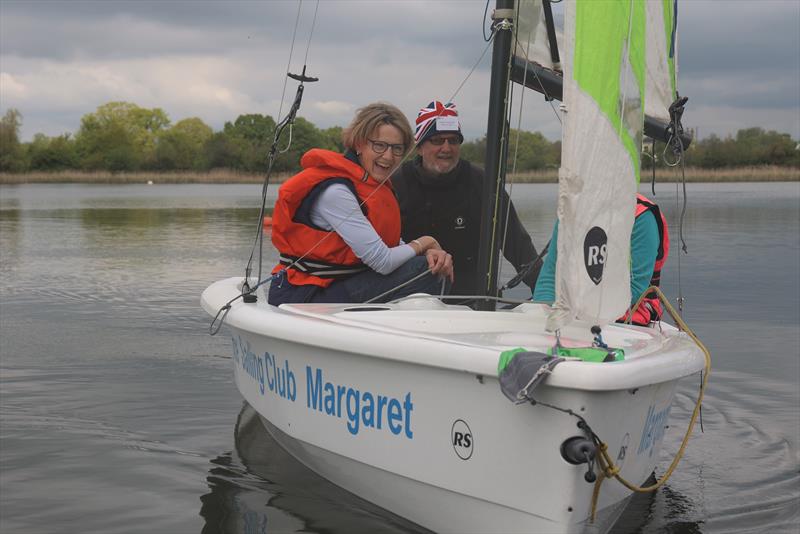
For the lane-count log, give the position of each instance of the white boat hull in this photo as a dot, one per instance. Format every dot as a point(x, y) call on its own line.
point(401, 405)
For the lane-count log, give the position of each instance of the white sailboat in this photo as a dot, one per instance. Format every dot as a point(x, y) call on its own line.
point(401, 403)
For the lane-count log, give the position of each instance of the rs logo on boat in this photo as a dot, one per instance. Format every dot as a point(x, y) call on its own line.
point(462, 440)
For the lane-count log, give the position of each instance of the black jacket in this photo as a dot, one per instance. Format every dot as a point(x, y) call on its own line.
point(448, 207)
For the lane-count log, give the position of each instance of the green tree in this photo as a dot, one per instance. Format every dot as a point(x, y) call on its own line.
point(764, 148)
point(225, 151)
point(120, 136)
point(52, 153)
point(183, 146)
point(252, 136)
point(304, 137)
point(333, 137)
point(532, 150)
point(12, 155)
point(474, 151)
point(255, 128)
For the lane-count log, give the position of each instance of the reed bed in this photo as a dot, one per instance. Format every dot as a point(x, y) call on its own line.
point(767, 173)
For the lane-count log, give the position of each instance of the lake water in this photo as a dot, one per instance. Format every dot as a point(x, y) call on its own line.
point(118, 412)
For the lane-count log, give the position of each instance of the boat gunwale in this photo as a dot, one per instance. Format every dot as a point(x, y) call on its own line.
point(682, 357)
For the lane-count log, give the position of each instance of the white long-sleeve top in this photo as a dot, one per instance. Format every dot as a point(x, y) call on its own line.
point(337, 209)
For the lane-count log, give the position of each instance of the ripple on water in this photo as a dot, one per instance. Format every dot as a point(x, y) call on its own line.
point(742, 470)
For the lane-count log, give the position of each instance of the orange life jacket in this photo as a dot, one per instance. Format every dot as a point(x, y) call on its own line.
point(650, 309)
point(325, 255)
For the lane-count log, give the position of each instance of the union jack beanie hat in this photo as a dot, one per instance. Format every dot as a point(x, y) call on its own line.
point(437, 118)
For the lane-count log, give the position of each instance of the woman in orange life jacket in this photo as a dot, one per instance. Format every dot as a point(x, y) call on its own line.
point(649, 250)
point(336, 223)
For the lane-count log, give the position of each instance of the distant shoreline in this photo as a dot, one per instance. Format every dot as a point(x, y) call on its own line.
point(769, 173)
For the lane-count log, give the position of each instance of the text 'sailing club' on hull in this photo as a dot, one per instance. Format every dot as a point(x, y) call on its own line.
point(402, 403)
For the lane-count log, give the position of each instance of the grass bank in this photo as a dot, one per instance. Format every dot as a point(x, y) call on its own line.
point(768, 173)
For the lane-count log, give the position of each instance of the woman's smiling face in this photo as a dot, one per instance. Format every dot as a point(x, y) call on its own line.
point(380, 166)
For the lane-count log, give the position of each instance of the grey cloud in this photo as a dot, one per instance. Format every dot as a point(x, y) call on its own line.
point(732, 54)
point(65, 30)
point(746, 37)
point(132, 31)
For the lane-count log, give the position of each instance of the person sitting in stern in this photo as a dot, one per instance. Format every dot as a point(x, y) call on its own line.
point(649, 251)
point(336, 224)
point(440, 193)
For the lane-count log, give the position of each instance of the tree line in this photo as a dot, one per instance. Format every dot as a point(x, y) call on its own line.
point(121, 136)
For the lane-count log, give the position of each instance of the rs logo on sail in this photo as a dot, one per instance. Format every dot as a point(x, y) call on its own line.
point(594, 253)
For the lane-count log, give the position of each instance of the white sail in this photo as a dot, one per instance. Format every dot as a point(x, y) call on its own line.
point(532, 41)
point(662, 64)
point(604, 88)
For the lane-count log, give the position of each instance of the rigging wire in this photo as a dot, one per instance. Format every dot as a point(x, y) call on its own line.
point(311, 33)
point(288, 75)
point(681, 223)
point(247, 291)
point(291, 52)
point(516, 142)
point(547, 96)
point(503, 24)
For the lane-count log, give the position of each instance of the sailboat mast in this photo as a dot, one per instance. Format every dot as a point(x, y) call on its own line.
point(488, 251)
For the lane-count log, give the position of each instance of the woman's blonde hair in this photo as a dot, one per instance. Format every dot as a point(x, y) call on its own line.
point(369, 118)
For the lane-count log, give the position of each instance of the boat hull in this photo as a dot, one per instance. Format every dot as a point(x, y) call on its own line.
point(436, 443)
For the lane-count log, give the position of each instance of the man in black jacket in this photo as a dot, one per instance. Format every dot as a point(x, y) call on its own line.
point(440, 195)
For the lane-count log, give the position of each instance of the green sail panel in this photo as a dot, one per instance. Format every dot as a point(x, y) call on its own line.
point(610, 38)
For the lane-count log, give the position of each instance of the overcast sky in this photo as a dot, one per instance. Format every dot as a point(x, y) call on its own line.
point(739, 60)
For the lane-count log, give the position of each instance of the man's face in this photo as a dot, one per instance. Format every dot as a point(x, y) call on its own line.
point(440, 153)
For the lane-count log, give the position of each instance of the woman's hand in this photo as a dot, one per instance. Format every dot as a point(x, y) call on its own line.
point(424, 243)
point(440, 262)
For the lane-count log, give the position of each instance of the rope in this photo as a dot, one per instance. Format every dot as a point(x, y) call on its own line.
point(607, 467)
point(228, 305)
point(401, 286)
point(483, 26)
point(525, 269)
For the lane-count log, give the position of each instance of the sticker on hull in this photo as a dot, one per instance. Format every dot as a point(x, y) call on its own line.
point(359, 408)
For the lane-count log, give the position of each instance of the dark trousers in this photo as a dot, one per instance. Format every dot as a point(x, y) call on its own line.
point(363, 286)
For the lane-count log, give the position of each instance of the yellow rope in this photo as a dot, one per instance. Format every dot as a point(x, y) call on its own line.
point(607, 467)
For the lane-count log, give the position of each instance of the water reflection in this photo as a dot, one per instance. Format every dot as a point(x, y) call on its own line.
point(261, 484)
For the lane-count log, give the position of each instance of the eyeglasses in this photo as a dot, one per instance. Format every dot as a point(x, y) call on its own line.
point(379, 147)
point(439, 141)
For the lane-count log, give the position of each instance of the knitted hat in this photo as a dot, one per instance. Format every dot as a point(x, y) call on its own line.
point(437, 118)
